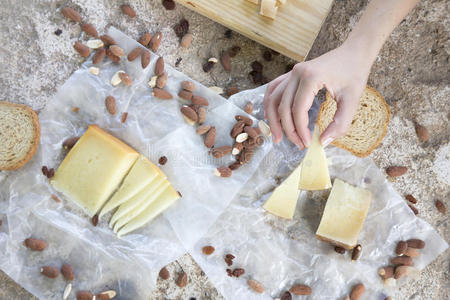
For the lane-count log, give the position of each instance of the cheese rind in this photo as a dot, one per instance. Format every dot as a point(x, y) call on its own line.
point(152, 211)
point(93, 169)
point(344, 214)
point(314, 175)
point(284, 198)
point(140, 175)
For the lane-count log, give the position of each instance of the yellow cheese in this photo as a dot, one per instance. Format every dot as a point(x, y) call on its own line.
point(344, 214)
point(138, 199)
point(269, 8)
point(314, 175)
point(93, 169)
point(141, 174)
point(254, 1)
point(150, 212)
point(284, 198)
point(281, 2)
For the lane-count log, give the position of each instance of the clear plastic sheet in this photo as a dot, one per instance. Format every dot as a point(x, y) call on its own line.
point(279, 253)
point(154, 127)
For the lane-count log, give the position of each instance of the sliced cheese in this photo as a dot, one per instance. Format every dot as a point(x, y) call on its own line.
point(344, 214)
point(138, 199)
point(314, 175)
point(141, 174)
point(150, 212)
point(281, 2)
point(284, 198)
point(269, 8)
point(93, 169)
point(254, 1)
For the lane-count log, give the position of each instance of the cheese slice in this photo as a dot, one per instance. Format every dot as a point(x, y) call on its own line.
point(314, 175)
point(344, 215)
point(138, 199)
point(284, 198)
point(141, 174)
point(93, 169)
point(254, 1)
point(281, 2)
point(150, 212)
point(269, 8)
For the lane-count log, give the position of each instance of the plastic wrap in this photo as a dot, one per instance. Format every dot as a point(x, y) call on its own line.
point(155, 128)
point(278, 252)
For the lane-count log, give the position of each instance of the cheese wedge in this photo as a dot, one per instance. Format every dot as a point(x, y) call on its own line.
point(152, 211)
point(138, 199)
point(344, 215)
point(269, 8)
point(284, 198)
point(314, 175)
point(93, 169)
point(141, 174)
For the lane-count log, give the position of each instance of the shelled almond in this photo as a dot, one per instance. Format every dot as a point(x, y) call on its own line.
point(135, 53)
point(71, 14)
point(145, 59)
point(155, 41)
point(82, 49)
point(89, 29)
point(99, 55)
point(145, 38)
point(161, 94)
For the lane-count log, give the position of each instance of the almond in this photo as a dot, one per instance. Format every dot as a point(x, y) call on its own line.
point(75, 109)
point(265, 129)
point(125, 78)
point(357, 291)
point(223, 171)
point(248, 108)
point(237, 148)
point(203, 129)
point(115, 80)
point(246, 155)
point(99, 55)
point(386, 272)
point(108, 40)
point(201, 115)
point(210, 138)
point(412, 252)
point(208, 250)
point(186, 40)
point(234, 166)
point(94, 70)
point(395, 171)
point(199, 100)
point(161, 94)
point(189, 113)
point(94, 220)
point(159, 66)
point(107, 295)
point(225, 61)
point(231, 90)
point(117, 51)
point(55, 198)
point(400, 271)
point(422, 132)
point(95, 44)
point(249, 143)
point(251, 132)
point(246, 120)
point(356, 253)
point(110, 103)
point(124, 117)
point(89, 29)
point(188, 85)
point(186, 95)
point(242, 137)
point(411, 198)
point(182, 280)
point(134, 54)
point(402, 260)
point(50, 272)
point(416, 243)
point(237, 129)
point(112, 56)
point(256, 286)
point(85, 295)
point(145, 59)
point(67, 291)
point(71, 14)
point(339, 250)
point(152, 82)
point(82, 49)
point(155, 41)
point(221, 151)
point(145, 39)
point(128, 10)
point(286, 296)
point(414, 209)
point(259, 140)
point(70, 142)
point(164, 273)
point(300, 289)
point(35, 244)
point(401, 248)
point(440, 206)
point(67, 272)
point(161, 80)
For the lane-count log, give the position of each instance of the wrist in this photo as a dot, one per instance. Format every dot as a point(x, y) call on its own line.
point(362, 50)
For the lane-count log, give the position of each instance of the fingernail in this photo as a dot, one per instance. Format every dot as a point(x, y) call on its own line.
point(307, 143)
point(327, 142)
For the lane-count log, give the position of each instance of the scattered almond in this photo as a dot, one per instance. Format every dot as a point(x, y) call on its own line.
point(182, 280)
point(186, 95)
point(128, 10)
point(221, 151)
point(124, 117)
point(107, 40)
point(35, 244)
point(50, 272)
point(145, 59)
point(112, 56)
point(168, 4)
point(223, 171)
point(440, 206)
point(402, 260)
point(110, 103)
point(416, 243)
point(89, 29)
point(238, 272)
point(70, 142)
point(94, 71)
point(117, 51)
point(161, 94)
point(231, 90)
point(99, 55)
point(411, 198)
point(201, 130)
point(134, 54)
point(216, 89)
point(75, 109)
point(94, 44)
point(414, 209)
point(186, 40)
point(67, 291)
point(400, 271)
point(159, 66)
point(300, 289)
point(67, 272)
point(94, 220)
point(412, 252)
point(246, 155)
point(256, 286)
point(237, 148)
point(164, 273)
point(246, 120)
point(248, 108)
point(356, 253)
point(357, 291)
point(422, 132)
point(145, 39)
point(395, 171)
point(161, 80)
point(115, 80)
point(242, 137)
point(401, 248)
point(189, 113)
point(252, 132)
point(208, 250)
point(386, 272)
point(339, 250)
point(225, 61)
point(152, 82)
point(199, 100)
point(82, 49)
point(55, 198)
point(107, 295)
point(155, 41)
point(286, 296)
point(85, 295)
point(188, 85)
point(265, 129)
point(201, 115)
point(125, 78)
point(71, 14)
point(229, 259)
point(237, 129)
point(210, 138)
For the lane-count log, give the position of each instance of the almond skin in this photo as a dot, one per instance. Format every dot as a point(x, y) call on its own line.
point(155, 41)
point(161, 80)
point(186, 40)
point(300, 289)
point(255, 286)
point(422, 132)
point(440, 207)
point(189, 113)
point(164, 273)
point(182, 280)
point(82, 49)
point(208, 250)
point(231, 90)
point(117, 51)
point(134, 54)
point(186, 95)
point(89, 29)
point(107, 40)
point(145, 59)
point(71, 14)
point(159, 66)
point(99, 55)
point(110, 103)
point(395, 171)
point(199, 100)
point(401, 248)
point(145, 39)
point(84, 295)
point(35, 244)
point(201, 130)
point(128, 10)
point(67, 272)
point(201, 115)
point(210, 138)
point(50, 272)
point(402, 260)
point(188, 86)
point(357, 291)
point(161, 94)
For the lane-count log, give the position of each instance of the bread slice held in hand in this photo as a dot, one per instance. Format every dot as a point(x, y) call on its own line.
point(19, 135)
point(368, 128)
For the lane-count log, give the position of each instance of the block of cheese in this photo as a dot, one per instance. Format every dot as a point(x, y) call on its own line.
point(150, 212)
point(284, 198)
point(138, 199)
point(269, 8)
point(140, 175)
point(344, 215)
point(93, 169)
point(314, 175)
point(134, 210)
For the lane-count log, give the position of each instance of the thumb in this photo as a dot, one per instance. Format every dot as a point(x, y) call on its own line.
point(345, 111)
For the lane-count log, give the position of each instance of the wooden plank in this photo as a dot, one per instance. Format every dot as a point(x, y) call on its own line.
point(292, 33)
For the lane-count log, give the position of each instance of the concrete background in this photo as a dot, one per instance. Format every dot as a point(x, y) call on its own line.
point(412, 72)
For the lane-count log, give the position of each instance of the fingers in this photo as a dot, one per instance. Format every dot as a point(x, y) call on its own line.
point(270, 88)
point(285, 112)
point(271, 111)
point(346, 109)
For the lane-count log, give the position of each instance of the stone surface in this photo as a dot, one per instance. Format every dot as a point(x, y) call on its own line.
point(412, 73)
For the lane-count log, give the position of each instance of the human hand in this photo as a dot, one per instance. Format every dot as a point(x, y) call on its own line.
point(342, 71)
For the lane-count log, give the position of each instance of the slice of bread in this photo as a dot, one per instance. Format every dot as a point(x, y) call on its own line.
point(19, 135)
point(369, 126)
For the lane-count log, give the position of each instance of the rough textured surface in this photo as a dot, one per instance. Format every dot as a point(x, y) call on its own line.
point(412, 73)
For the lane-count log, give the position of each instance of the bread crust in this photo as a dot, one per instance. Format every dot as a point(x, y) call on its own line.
point(385, 127)
point(37, 136)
